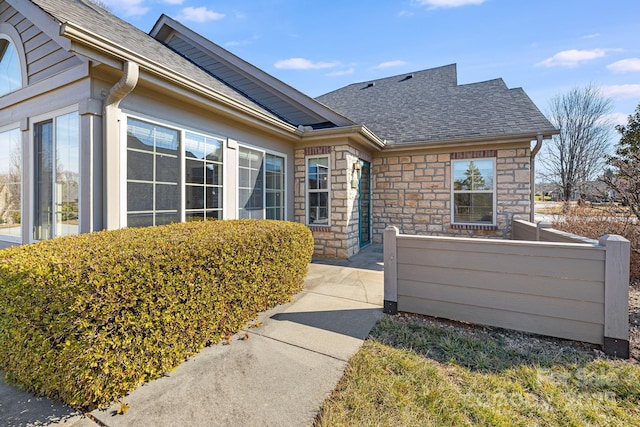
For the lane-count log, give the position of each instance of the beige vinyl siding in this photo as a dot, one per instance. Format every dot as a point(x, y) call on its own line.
point(44, 57)
point(549, 289)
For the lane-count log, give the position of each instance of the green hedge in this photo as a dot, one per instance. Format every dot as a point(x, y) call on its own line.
point(86, 319)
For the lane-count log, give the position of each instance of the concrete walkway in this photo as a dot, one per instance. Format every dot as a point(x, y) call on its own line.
point(279, 376)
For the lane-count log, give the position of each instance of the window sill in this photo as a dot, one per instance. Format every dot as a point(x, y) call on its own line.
point(485, 227)
point(319, 228)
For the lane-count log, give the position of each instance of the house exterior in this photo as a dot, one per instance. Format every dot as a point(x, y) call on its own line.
point(103, 126)
point(457, 159)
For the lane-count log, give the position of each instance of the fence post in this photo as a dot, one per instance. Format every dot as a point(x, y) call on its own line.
point(616, 295)
point(541, 225)
point(390, 270)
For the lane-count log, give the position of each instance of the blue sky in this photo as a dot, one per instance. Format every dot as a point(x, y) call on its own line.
point(546, 47)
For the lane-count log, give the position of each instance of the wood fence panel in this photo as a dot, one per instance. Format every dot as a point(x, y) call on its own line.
point(581, 331)
point(551, 289)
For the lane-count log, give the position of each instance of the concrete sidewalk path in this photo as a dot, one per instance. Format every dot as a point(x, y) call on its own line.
point(278, 376)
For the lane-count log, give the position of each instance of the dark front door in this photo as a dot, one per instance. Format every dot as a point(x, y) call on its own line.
point(365, 203)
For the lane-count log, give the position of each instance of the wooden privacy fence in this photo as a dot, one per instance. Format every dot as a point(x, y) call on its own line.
point(577, 291)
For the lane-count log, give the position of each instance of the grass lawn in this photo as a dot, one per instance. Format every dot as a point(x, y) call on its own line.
point(416, 371)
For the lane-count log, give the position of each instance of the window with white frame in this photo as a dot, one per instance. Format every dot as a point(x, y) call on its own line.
point(10, 71)
point(153, 174)
point(473, 191)
point(11, 185)
point(261, 184)
point(318, 177)
point(274, 187)
point(56, 176)
point(166, 166)
point(203, 177)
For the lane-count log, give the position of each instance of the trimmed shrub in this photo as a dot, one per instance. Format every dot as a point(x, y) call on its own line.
point(86, 319)
point(597, 222)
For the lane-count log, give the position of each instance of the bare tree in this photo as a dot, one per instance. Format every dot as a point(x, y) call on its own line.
point(100, 3)
point(576, 156)
point(624, 179)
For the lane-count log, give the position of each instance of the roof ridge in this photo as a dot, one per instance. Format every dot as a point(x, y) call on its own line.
point(454, 74)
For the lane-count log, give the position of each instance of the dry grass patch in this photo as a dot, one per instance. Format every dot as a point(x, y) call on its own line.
point(594, 223)
point(420, 371)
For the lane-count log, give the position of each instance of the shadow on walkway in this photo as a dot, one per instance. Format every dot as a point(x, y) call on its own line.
point(369, 258)
point(344, 322)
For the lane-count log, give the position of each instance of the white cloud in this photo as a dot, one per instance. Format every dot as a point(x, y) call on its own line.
point(572, 58)
point(591, 36)
point(629, 91)
point(303, 64)
point(628, 65)
point(237, 43)
point(616, 118)
point(346, 72)
point(199, 14)
point(242, 42)
point(389, 64)
point(437, 4)
point(173, 1)
point(129, 7)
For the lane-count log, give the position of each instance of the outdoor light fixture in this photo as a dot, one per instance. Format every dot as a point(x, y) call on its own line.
point(355, 174)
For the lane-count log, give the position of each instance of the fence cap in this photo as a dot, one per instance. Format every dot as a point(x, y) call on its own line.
point(392, 228)
point(611, 238)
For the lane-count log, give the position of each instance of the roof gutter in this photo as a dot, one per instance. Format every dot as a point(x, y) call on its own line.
point(105, 46)
point(469, 141)
point(111, 145)
point(359, 132)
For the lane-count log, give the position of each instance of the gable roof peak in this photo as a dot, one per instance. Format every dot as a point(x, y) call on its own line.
point(443, 75)
point(280, 99)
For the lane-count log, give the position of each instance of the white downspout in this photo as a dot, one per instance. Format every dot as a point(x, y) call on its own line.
point(112, 145)
point(532, 214)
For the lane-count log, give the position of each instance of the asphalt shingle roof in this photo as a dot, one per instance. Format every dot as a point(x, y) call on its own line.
point(429, 106)
point(106, 25)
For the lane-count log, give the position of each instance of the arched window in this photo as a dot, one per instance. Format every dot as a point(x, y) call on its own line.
point(10, 72)
point(13, 70)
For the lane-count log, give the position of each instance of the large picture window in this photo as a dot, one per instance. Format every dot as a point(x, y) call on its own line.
point(261, 189)
point(274, 187)
point(173, 175)
point(153, 171)
point(57, 176)
point(11, 185)
point(473, 191)
point(203, 177)
point(318, 177)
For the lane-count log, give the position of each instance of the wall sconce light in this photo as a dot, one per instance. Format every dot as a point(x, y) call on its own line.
point(355, 174)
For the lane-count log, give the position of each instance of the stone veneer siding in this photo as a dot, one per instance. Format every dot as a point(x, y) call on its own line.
point(413, 193)
point(341, 238)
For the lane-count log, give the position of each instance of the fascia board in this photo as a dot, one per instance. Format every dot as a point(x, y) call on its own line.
point(357, 132)
point(467, 142)
point(189, 95)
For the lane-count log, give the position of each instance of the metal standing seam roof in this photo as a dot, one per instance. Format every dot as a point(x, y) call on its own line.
point(429, 106)
point(110, 27)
